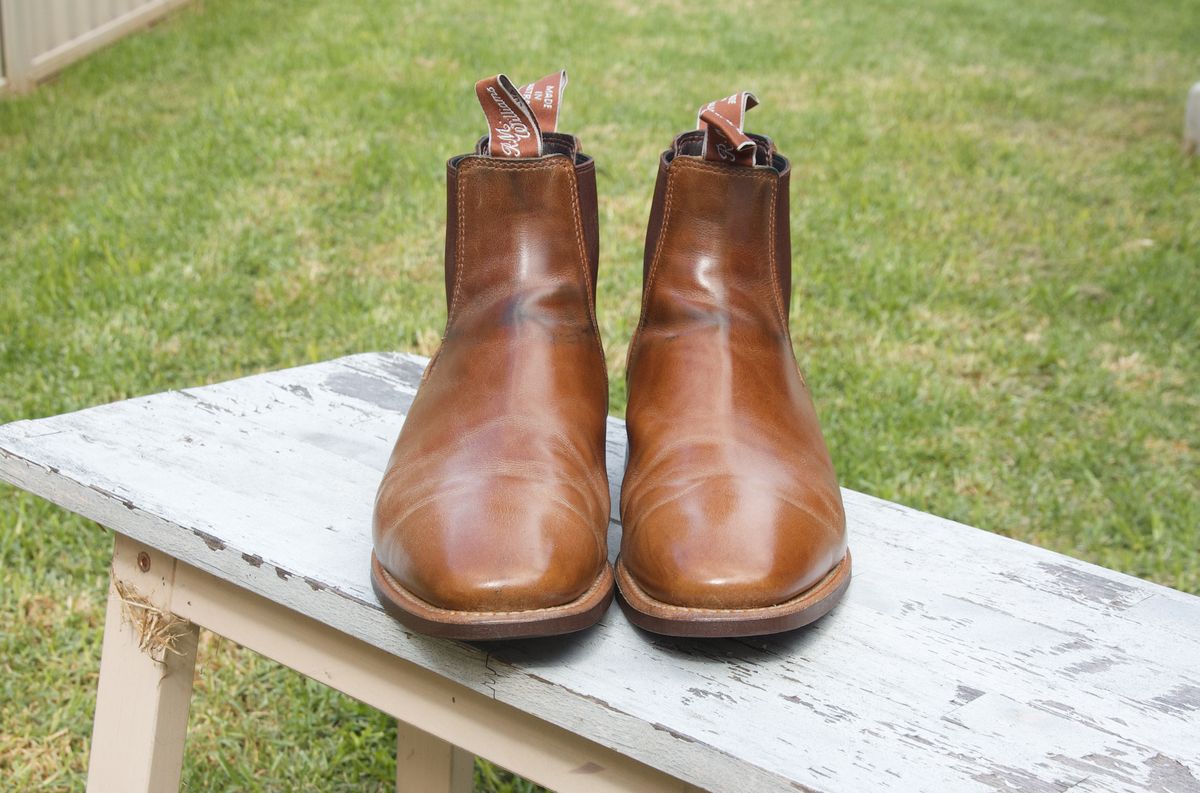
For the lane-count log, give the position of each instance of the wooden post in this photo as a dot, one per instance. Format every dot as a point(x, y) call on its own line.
point(1191, 122)
point(427, 764)
point(146, 671)
point(15, 46)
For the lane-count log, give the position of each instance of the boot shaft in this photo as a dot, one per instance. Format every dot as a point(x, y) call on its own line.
point(732, 521)
point(527, 219)
point(491, 520)
point(718, 230)
point(718, 250)
point(521, 210)
point(522, 230)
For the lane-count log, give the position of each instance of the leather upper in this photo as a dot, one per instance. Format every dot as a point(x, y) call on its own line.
point(496, 497)
point(730, 499)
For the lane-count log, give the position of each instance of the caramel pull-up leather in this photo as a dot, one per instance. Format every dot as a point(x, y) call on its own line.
point(730, 499)
point(722, 121)
point(512, 127)
point(495, 499)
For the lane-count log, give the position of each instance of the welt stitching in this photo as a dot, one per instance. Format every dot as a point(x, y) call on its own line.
point(650, 277)
point(577, 215)
point(739, 171)
point(459, 194)
point(776, 287)
point(458, 271)
point(499, 165)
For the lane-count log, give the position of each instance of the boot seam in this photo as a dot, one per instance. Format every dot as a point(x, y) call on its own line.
point(577, 215)
point(650, 276)
point(776, 287)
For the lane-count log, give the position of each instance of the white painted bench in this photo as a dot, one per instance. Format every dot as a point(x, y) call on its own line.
point(958, 661)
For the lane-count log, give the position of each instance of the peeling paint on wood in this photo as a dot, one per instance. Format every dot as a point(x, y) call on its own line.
point(958, 661)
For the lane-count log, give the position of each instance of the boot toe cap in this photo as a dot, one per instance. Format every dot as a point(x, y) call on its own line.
point(710, 551)
point(491, 554)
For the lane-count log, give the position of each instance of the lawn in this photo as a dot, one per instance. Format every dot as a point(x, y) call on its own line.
point(996, 254)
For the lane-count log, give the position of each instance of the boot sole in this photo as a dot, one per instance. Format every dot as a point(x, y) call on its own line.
point(671, 620)
point(423, 617)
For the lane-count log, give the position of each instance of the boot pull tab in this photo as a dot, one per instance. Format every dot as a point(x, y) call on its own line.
point(544, 97)
point(722, 122)
point(512, 128)
point(516, 117)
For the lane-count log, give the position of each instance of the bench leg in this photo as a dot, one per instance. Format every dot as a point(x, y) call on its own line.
point(427, 764)
point(149, 658)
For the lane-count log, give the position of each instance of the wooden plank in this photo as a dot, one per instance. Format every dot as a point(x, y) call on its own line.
point(443, 709)
point(15, 22)
point(958, 660)
point(145, 685)
point(1191, 122)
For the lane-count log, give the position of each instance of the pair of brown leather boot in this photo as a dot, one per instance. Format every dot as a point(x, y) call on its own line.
point(492, 519)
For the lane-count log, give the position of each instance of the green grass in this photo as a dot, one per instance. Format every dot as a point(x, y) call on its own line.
point(996, 247)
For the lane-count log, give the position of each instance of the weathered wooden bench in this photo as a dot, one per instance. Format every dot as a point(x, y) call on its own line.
point(959, 660)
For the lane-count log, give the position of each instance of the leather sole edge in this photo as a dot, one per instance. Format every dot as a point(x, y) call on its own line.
point(685, 621)
point(429, 620)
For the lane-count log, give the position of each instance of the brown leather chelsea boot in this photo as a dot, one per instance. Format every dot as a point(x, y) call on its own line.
point(732, 516)
point(491, 521)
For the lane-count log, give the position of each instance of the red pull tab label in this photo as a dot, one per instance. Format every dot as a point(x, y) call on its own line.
point(722, 122)
point(512, 128)
point(544, 98)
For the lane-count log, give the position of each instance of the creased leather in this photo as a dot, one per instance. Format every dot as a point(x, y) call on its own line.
point(730, 500)
point(496, 498)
